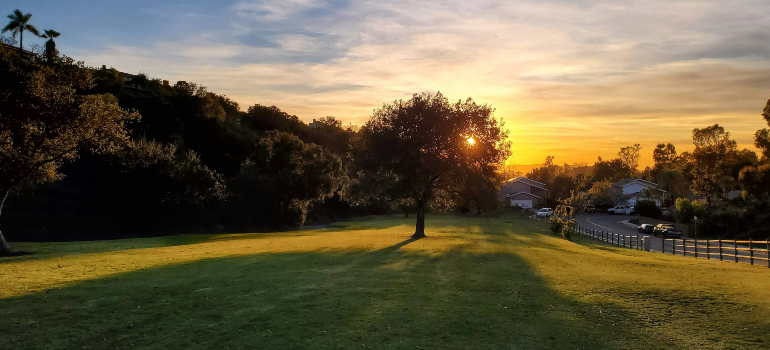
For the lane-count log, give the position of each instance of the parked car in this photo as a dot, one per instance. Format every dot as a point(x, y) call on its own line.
point(666, 231)
point(621, 209)
point(544, 212)
point(590, 209)
point(646, 228)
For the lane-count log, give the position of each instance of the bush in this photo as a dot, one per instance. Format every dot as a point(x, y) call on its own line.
point(556, 226)
point(648, 209)
point(684, 210)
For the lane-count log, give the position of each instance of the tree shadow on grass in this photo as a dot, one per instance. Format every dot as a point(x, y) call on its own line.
point(385, 299)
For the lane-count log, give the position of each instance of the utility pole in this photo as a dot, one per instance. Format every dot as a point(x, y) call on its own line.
point(696, 221)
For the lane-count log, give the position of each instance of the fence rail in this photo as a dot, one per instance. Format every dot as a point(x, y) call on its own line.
point(744, 251)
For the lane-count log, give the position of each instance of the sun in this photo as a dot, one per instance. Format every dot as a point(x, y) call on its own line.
point(471, 141)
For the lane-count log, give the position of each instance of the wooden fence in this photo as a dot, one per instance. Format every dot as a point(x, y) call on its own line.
point(750, 251)
point(725, 250)
point(628, 241)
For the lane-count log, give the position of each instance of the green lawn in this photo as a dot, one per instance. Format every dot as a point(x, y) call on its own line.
point(474, 283)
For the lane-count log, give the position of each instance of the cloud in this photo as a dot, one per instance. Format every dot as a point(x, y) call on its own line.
point(559, 72)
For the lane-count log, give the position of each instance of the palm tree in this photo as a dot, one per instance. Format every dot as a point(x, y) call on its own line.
point(50, 34)
point(18, 24)
point(50, 45)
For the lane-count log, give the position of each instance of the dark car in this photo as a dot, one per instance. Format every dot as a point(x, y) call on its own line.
point(666, 230)
point(646, 228)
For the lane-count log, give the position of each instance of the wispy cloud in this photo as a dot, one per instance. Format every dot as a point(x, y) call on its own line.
point(559, 72)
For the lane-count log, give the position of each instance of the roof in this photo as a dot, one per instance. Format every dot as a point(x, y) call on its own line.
point(628, 181)
point(529, 182)
point(524, 193)
point(17, 49)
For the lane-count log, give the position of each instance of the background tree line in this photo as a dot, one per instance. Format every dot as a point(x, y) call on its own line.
point(180, 157)
point(727, 187)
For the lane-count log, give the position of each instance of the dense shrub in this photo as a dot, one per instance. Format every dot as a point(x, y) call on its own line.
point(648, 209)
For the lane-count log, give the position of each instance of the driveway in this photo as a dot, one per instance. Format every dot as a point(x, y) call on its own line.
point(609, 223)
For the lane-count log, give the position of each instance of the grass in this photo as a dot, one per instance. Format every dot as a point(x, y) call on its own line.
point(473, 283)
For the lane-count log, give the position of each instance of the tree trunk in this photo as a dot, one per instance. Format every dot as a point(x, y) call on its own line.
point(419, 231)
point(4, 247)
point(21, 39)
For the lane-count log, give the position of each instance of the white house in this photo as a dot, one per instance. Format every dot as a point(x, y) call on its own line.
point(632, 190)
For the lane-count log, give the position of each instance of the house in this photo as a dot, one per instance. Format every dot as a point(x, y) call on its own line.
point(24, 53)
point(523, 192)
point(632, 190)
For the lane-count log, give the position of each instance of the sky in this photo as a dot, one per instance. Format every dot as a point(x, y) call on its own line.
point(575, 79)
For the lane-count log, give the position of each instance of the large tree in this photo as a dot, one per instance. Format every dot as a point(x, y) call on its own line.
point(629, 156)
point(18, 24)
point(612, 170)
point(762, 137)
point(664, 156)
point(44, 123)
point(426, 143)
point(713, 157)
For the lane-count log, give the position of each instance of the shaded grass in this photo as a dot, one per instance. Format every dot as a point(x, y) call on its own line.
point(474, 283)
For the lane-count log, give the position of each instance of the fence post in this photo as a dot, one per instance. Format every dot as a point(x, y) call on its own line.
point(662, 244)
point(684, 247)
point(720, 250)
point(751, 253)
point(708, 251)
point(735, 249)
point(696, 248)
point(768, 253)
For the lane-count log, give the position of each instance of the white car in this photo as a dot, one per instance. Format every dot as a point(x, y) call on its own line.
point(544, 212)
point(622, 209)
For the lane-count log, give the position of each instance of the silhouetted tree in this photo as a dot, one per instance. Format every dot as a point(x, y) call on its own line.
point(762, 137)
point(546, 172)
point(629, 156)
point(612, 170)
point(561, 187)
point(712, 158)
point(50, 45)
point(18, 24)
point(664, 156)
point(422, 142)
point(44, 123)
point(286, 175)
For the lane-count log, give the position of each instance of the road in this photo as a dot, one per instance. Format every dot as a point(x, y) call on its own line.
point(609, 223)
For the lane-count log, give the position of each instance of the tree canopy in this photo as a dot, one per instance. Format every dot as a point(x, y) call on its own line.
point(44, 123)
point(424, 143)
